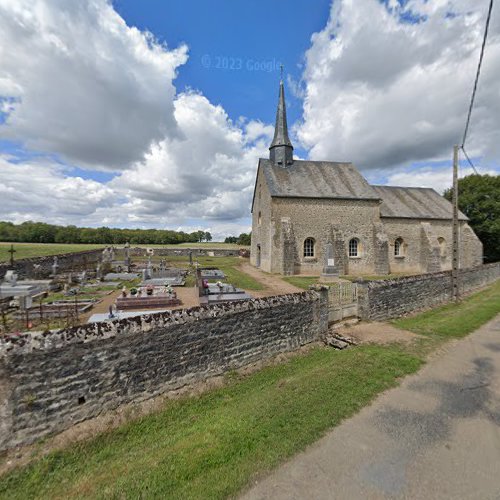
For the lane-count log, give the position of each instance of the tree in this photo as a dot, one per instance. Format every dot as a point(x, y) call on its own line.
point(231, 239)
point(208, 236)
point(479, 200)
point(244, 239)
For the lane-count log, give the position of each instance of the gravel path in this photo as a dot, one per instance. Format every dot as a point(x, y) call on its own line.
point(273, 284)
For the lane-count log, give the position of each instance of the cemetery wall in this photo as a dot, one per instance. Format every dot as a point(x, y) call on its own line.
point(380, 300)
point(184, 252)
point(41, 267)
point(50, 381)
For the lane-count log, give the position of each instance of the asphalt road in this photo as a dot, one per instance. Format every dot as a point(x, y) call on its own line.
point(436, 436)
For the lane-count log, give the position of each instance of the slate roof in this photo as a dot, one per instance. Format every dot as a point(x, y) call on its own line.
point(316, 179)
point(414, 203)
point(335, 180)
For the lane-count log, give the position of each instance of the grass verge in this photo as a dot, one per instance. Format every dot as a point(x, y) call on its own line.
point(455, 320)
point(211, 446)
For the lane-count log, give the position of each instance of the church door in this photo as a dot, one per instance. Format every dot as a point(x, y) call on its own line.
point(258, 256)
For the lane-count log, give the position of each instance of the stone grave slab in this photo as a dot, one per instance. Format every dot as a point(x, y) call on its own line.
point(224, 297)
point(100, 317)
point(216, 274)
point(213, 289)
point(173, 281)
point(120, 276)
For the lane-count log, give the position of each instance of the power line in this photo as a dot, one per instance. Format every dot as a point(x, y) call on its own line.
point(469, 160)
point(477, 78)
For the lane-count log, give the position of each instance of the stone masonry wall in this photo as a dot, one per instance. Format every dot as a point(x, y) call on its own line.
point(50, 381)
point(41, 267)
point(380, 300)
point(313, 218)
point(184, 252)
point(261, 225)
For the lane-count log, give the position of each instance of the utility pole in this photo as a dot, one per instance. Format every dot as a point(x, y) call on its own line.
point(456, 253)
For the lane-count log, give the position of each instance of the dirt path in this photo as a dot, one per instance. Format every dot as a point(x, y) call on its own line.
point(272, 283)
point(435, 436)
point(375, 333)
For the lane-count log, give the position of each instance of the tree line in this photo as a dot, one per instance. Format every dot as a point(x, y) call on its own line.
point(242, 239)
point(479, 200)
point(40, 232)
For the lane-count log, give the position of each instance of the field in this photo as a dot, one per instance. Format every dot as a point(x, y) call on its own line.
point(213, 445)
point(27, 250)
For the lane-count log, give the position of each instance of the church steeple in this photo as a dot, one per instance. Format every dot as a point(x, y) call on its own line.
point(281, 149)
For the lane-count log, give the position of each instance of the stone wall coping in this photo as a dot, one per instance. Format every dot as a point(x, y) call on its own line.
point(422, 277)
point(28, 342)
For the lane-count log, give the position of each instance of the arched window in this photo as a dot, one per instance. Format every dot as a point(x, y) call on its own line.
point(309, 247)
point(442, 247)
point(354, 248)
point(399, 247)
point(260, 218)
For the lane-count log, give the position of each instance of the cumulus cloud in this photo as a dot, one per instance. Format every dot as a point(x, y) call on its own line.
point(207, 173)
point(386, 85)
point(42, 191)
point(438, 178)
point(77, 81)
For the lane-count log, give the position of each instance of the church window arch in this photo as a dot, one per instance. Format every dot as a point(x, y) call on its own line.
point(354, 248)
point(399, 249)
point(442, 247)
point(259, 218)
point(309, 245)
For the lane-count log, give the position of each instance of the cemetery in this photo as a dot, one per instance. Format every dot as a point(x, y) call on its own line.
point(111, 283)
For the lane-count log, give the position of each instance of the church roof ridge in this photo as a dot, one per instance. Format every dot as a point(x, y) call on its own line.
point(402, 187)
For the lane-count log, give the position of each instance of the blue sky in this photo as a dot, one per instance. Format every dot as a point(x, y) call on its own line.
point(255, 36)
point(154, 113)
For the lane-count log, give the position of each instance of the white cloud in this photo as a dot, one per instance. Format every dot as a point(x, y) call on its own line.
point(86, 86)
point(207, 173)
point(78, 83)
point(42, 191)
point(437, 177)
point(383, 92)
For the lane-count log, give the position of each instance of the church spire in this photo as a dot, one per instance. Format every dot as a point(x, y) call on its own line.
point(281, 149)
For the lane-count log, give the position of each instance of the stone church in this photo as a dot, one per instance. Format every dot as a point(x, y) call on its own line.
point(323, 217)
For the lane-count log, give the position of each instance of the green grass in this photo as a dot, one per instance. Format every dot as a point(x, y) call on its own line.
point(456, 320)
point(213, 445)
point(229, 265)
point(303, 282)
point(28, 250)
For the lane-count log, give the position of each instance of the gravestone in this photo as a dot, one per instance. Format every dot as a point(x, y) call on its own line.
point(330, 267)
point(127, 256)
point(55, 266)
point(10, 277)
point(149, 268)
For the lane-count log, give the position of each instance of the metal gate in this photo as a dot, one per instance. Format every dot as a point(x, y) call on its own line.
point(342, 301)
